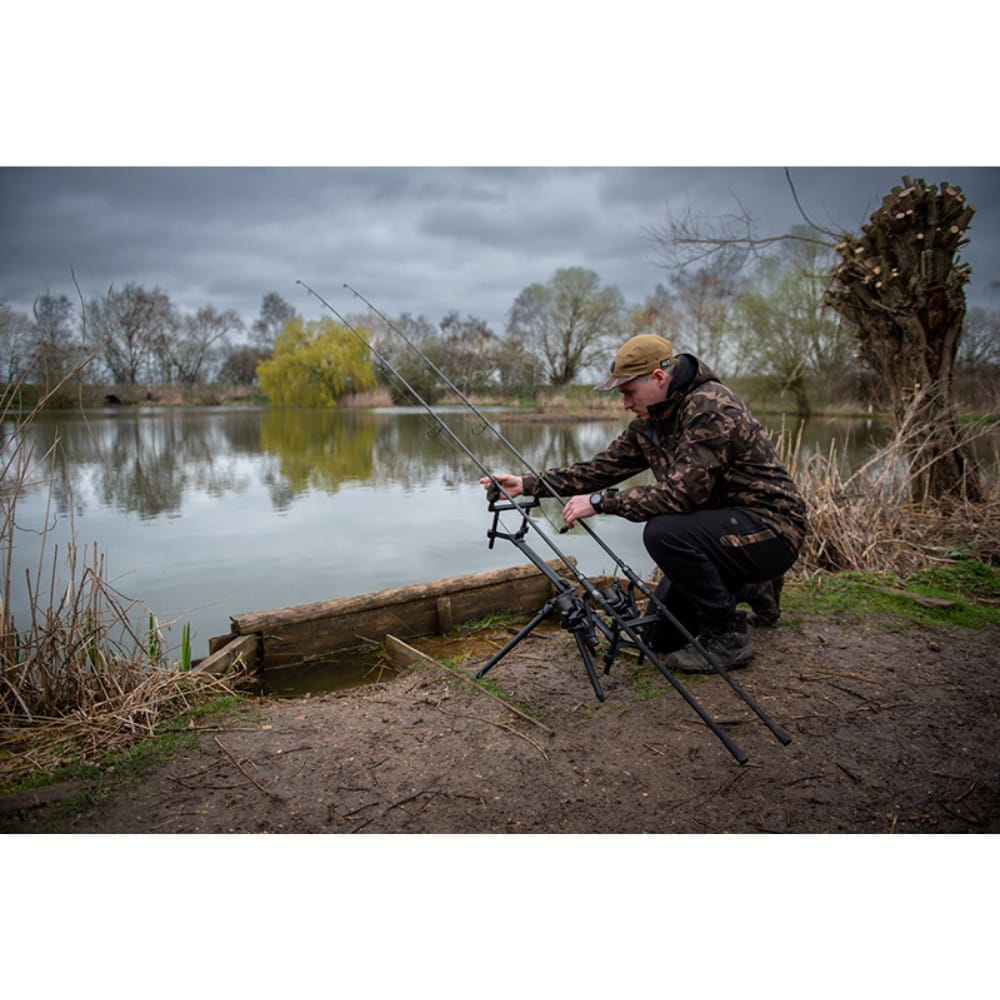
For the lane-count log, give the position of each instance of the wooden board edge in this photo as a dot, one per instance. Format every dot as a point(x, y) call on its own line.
point(263, 621)
point(242, 646)
point(402, 654)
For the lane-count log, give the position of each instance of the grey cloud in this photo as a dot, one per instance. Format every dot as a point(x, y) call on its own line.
point(422, 240)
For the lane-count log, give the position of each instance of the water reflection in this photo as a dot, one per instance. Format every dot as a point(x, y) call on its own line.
point(315, 450)
point(207, 513)
point(146, 463)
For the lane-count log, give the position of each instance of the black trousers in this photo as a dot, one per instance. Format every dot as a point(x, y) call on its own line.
point(705, 557)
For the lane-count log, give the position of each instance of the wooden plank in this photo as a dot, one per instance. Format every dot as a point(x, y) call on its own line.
point(265, 621)
point(216, 642)
point(416, 618)
point(326, 627)
point(402, 654)
point(242, 646)
point(924, 599)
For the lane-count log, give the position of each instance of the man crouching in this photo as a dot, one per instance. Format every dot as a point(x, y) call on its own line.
point(724, 521)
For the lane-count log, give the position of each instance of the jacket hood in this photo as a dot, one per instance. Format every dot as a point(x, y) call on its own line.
point(689, 374)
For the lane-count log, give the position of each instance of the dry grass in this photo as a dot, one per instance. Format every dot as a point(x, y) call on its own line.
point(88, 672)
point(83, 678)
point(40, 744)
point(873, 520)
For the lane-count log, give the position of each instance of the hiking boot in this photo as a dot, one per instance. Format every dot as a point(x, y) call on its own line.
point(730, 645)
point(764, 600)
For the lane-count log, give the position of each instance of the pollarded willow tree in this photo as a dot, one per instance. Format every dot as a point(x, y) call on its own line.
point(902, 288)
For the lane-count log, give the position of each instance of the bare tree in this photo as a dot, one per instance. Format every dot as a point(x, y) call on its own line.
point(469, 349)
point(657, 315)
point(978, 363)
point(783, 327)
point(419, 330)
point(275, 312)
point(132, 327)
point(17, 344)
point(569, 323)
point(703, 299)
point(201, 335)
point(56, 351)
point(901, 289)
point(518, 369)
point(239, 364)
point(979, 349)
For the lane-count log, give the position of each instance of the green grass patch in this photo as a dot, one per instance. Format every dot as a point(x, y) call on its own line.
point(137, 760)
point(646, 682)
point(965, 592)
point(458, 660)
point(498, 619)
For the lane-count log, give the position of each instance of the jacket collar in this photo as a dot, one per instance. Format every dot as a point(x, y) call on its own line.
point(689, 372)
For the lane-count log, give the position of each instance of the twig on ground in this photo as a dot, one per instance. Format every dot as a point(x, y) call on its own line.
point(242, 770)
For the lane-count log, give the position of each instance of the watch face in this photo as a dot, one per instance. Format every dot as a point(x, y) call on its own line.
point(595, 500)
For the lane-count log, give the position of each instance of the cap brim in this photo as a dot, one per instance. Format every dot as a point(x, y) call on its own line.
point(613, 381)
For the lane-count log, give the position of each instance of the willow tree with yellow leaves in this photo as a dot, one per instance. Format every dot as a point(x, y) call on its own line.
point(902, 288)
point(316, 363)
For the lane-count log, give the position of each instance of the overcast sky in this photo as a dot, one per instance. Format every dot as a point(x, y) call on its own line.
point(449, 83)
point(422, 240)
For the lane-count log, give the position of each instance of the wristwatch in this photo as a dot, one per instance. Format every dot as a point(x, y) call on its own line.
point(596, 499)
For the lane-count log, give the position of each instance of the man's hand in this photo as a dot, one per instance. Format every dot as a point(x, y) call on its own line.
point(576, 509)
point(512, 485)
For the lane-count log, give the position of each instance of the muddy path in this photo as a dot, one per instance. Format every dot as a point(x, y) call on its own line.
point(895, 729)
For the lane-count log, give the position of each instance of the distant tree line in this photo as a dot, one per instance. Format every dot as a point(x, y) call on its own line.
point(774, 322)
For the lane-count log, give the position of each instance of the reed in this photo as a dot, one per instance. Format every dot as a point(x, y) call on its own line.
point(877, 518)
point(79, 678)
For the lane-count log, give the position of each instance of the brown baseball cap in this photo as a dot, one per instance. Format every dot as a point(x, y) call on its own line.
point(638, 356)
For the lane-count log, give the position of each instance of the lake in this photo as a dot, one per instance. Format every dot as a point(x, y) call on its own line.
point(206, 513)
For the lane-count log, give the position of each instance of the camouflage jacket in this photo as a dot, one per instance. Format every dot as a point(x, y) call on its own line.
point(705, 450)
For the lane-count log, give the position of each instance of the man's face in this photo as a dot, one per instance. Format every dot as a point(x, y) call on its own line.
point(646, 390)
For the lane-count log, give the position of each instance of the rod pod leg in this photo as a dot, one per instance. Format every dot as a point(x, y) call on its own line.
point(545, 611)
point(588, 662)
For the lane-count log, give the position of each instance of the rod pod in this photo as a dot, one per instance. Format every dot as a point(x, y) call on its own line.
point(592, 592)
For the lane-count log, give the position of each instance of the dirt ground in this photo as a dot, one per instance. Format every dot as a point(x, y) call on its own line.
point(894, 729)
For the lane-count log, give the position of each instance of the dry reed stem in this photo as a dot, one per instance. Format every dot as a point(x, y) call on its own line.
point(82, 678)
point(40, 744)
point(873, 520)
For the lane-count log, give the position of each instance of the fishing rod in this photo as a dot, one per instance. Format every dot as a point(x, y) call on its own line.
point(634, 579)
point(576, 614)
